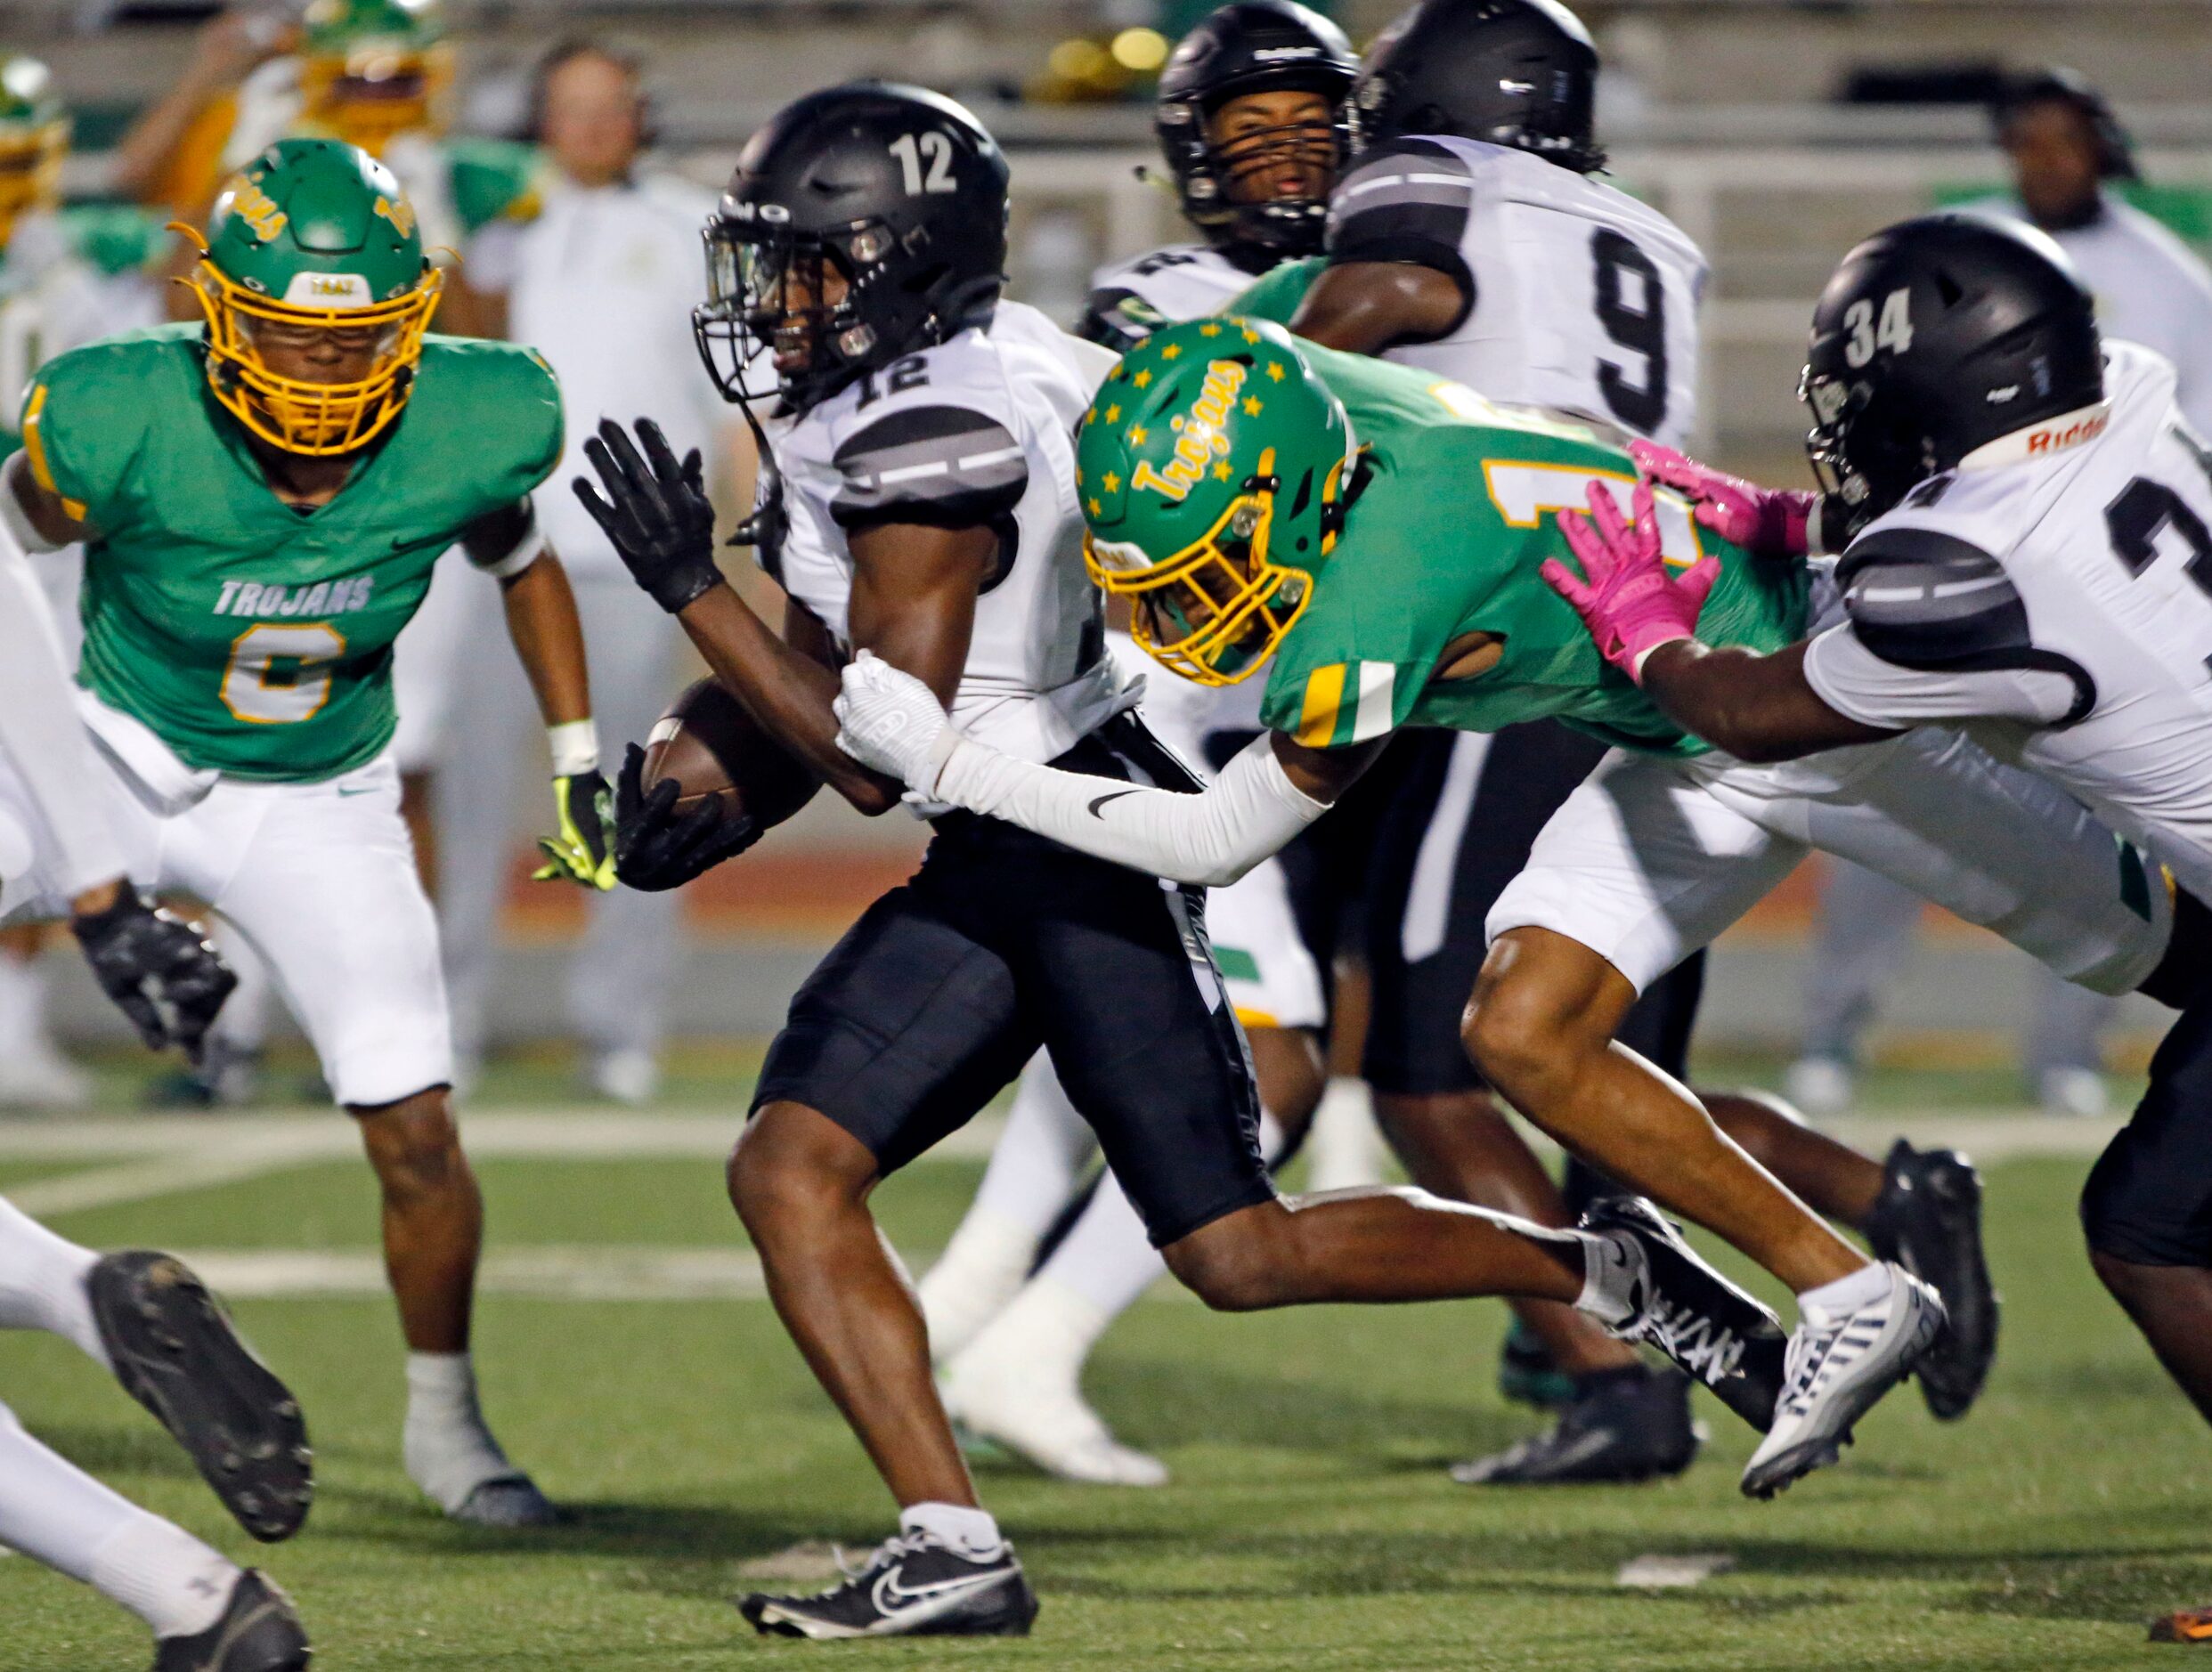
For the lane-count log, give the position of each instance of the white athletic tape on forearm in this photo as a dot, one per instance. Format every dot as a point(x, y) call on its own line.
point(1211, 839)
point(575, 745)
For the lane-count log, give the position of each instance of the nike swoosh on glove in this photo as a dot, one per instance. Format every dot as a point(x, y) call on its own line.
point(1632, 604)
point(889, 720)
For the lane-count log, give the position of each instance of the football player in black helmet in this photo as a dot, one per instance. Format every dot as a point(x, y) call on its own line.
point(2022, 517)
point(1251, 121)
point(863, 222)
point(1521, 73)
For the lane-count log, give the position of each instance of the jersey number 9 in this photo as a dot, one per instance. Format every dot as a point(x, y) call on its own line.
point(1635, 316)
point(271, 678)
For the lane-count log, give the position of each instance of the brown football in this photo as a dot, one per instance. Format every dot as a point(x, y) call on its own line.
point(710, 746)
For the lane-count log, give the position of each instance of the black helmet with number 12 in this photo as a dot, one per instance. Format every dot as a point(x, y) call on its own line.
point(863, 222)
point(1934, 337)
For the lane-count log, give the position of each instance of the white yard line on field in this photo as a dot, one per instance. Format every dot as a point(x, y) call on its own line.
point(547, 1272)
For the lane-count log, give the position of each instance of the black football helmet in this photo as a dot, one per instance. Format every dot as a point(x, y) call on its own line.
point(1513, 72)
point(1254, 46)
point(863, 222)
point(1933, 337)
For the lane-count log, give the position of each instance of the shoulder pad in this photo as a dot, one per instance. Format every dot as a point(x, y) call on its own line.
point(945, 465)
point(1406, 201)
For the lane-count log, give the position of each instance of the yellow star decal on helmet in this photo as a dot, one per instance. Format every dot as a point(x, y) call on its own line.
point(1170, 351)
point(1111, 482)
point(1274, 370)
point(1209, 330)
point(1113, 415)
point(1097, 508)
point(1222, 471)
point(1251, 406)
point(1251, 335)
point(1141, 379)
point(1136, 434)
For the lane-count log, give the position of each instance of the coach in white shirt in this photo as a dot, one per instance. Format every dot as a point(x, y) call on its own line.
point(602, 284)
point(2064, 143)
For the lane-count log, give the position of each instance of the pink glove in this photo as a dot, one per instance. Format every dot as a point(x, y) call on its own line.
point(1631, 604)
point(1766, 522)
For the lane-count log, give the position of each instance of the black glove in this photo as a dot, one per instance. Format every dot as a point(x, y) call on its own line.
point(158, 968)
point(655, 848)
point(660, 522)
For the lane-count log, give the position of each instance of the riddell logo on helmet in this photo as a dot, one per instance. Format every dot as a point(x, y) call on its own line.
point(1278, 54)
point(1198, 438)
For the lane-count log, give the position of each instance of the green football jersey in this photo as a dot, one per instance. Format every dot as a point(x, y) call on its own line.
point(1276, 294)
point(252, 637)
point(1445, 540)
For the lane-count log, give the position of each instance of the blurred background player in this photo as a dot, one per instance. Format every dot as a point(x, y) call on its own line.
point(378, 74)
point(1250, 120)
point(67, 276)
point(601, 283)
point(2066, 149)
point(259, 528)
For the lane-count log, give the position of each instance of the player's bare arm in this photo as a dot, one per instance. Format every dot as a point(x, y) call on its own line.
point(1364, 307)
point(43, 508)
point(1756, 708)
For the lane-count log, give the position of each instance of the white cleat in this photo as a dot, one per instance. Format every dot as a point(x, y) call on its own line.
point(1043, 1419)
point(1839, 1364)
point(2076, 1094)
point(1820, 1086)
point(630, 1076)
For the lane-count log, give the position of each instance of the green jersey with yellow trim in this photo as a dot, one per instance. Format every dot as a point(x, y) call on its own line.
point(1443, 543)
point(1275, 293)
point(252, 637)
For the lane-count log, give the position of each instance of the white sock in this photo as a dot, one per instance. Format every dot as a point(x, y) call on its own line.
point(971, 1531)
point(52, 1510)
point(22, 1002)
point(448, 1449)
point(981, 1268)
point(1040, 1155)
point(42, 1283)
point(1866, 1286)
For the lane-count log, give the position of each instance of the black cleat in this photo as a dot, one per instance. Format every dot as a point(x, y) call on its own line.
point(915, 1586)
point(176, 1354)
point(1928, 1220)
point(1528, 1372)
point(1713, 1331)
point(259, 1633)
point(1634, 1426)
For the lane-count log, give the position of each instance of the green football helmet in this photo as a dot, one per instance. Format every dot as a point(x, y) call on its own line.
point(34, 139)
point(314, 236)
point(372, 70)
point(1213, 467)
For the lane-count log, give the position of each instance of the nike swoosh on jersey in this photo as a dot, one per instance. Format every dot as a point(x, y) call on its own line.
point(1112, 795)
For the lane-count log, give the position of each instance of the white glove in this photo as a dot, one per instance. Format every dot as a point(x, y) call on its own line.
point(889, 720)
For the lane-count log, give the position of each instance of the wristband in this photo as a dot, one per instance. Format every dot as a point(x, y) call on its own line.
point(575, 745)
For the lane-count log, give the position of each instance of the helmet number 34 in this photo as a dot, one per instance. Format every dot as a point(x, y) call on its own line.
point(926, 160)
point(1893, 330)
point(272, 677)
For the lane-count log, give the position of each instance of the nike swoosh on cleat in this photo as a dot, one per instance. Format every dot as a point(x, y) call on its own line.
point(894, 1598)
point(1112, 796)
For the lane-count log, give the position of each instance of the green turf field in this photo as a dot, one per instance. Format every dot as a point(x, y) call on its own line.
point(1310, 1524)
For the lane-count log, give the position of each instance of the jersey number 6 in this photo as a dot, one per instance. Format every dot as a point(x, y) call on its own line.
point(271, 680)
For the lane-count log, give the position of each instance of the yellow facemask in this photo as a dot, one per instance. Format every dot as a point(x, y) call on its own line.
point(30, 173)
point(378, 91)
point(315, 418)
point(1213, 611)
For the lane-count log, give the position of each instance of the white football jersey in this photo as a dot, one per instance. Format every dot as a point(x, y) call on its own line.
point(1581, 299)
point(979, 429)
point(1176, 282)
point(2055, 593)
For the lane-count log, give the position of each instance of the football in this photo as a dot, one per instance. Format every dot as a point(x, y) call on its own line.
point(710, 746)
